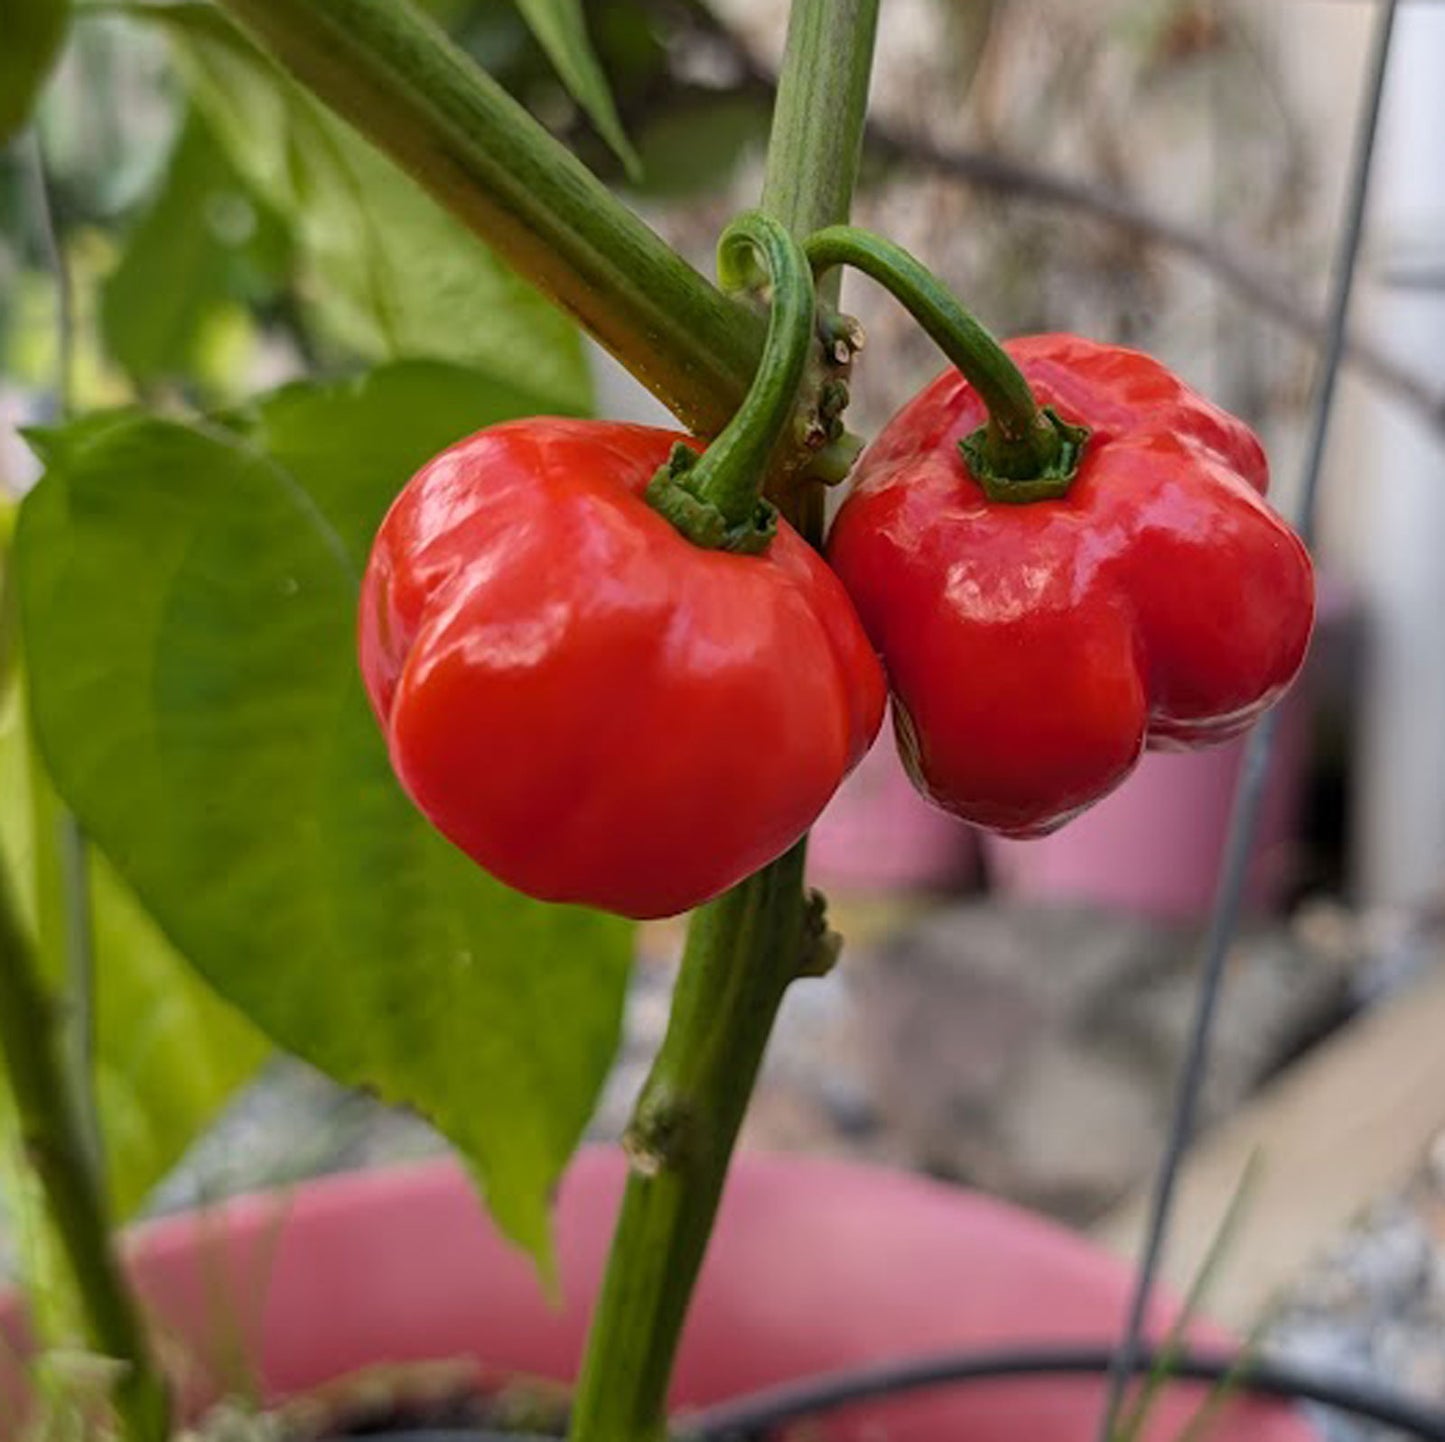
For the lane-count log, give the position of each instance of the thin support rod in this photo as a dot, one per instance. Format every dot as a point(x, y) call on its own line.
point(1249, 792)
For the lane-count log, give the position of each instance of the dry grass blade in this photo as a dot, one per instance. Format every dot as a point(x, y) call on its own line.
point(1130, 1427)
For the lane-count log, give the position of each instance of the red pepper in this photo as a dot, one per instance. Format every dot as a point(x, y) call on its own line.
point(591, 706)
point(1035, 649)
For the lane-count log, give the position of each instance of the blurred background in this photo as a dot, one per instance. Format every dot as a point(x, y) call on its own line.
point(1160, 173)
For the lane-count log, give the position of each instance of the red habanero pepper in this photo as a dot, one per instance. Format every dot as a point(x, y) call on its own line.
point(587, 703)
point(1035, 647)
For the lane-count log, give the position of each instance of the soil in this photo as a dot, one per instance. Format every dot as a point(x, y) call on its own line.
point(436, 1401)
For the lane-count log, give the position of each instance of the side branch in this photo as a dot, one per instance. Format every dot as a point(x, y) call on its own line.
point(393, 74)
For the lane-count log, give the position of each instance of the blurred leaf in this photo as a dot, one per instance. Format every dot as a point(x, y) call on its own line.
point(9, 601)
point(203, 243)
point(446, 12)
point(694, 148)
point(561, 29)
point(169, 1053)
point(241, 785)
point(630, 43)
point(31, 34)
point(499, 40)
point(387, 269)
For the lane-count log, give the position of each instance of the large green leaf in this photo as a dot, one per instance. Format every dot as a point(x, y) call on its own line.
point(203, 245)
point(386, 268)
point(353, 443)
point(561, 29)
point(31, 32)
point(168, 1052)
point(193, 594)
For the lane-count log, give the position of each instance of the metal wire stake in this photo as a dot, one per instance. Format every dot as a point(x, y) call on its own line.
point(1249, 791)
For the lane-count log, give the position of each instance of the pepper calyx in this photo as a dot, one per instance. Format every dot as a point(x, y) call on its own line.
point(674, 495)
point(1038, 467)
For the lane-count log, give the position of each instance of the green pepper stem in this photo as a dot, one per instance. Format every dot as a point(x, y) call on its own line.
point(51, 1133)
point(75, 933)
point(716, 498)
point(1021, 442)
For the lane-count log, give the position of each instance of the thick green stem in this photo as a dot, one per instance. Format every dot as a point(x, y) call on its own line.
point(50, 1132)
point(1022, 443)
point(715, 498)
point(391, 72)
point(817, 137)
point(815, 149)
point(79, 1037)
point(744, 948)
point(742, 951)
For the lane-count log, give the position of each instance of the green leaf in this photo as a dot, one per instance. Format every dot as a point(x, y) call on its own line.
point(203, 245)
point(197, 592)
point(697, 147)
point(168, 1052)
point(31, 34)
point(561, 30)
point(386, 269)
point(371, 433)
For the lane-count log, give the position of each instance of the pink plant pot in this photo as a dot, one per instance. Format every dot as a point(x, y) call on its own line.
point(816, 1265)
point(1155, 846)
point(879, 834)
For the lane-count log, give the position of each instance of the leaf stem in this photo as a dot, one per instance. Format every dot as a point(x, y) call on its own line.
point(51, 1134)
point(745, 948)
point(390, 71)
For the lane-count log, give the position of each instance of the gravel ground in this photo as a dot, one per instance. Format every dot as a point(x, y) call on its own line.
point(1374, 1307)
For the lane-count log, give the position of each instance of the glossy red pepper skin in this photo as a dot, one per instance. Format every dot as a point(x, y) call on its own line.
point(593, 708)
point(1034, 650)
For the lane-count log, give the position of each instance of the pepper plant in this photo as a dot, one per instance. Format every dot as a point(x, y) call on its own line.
point(613, 672)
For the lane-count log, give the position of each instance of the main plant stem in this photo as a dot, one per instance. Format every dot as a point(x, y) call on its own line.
point(815, 148)
point(745, 948)
point(742, 951)
point(52, 1135)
